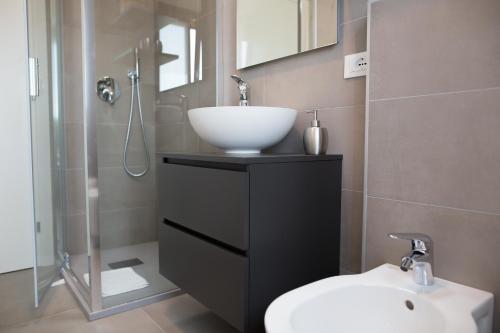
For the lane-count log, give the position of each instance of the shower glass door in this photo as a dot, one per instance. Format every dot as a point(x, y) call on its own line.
point(47, 144)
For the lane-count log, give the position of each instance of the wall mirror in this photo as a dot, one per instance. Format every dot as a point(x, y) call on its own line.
point(273, 29)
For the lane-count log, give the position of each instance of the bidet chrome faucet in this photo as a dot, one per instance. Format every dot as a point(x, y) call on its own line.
point(420, 258)
point(243, 88)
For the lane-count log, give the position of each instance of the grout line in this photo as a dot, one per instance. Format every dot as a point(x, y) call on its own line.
point(326, 108)
point(121, 167)
point(354, 20)
point(35, 320)
point(152, 320)
point(344, 271)
point(82, 213)
point(112, 167)
point(366, 141)
point(350, 190)
point(125, 209)
point(120, 124)
point(424, 204)
point(73, 169)
point(444, 93)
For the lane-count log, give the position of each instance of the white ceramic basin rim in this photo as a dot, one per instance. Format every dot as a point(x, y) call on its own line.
point(242, 129)
point(384, 299)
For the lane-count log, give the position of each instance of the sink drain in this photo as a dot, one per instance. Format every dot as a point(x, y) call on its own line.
point(409, 305)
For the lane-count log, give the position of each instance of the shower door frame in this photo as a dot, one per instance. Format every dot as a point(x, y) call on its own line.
point(91, 304)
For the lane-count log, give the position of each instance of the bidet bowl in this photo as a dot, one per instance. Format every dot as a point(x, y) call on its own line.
point(384, 299)
point(242, 129)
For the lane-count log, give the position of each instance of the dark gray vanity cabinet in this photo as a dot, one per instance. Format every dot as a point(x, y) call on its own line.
point(237, 232)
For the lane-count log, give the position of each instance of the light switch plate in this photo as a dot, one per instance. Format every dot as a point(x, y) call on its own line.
point(355, 65)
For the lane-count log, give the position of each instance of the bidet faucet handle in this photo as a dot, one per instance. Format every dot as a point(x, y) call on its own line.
point(419, 242)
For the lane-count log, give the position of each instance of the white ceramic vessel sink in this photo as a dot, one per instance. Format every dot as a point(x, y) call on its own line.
point(242, 129)
point(383, 300)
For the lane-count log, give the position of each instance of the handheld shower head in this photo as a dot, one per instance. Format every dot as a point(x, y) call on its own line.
point(134, 73)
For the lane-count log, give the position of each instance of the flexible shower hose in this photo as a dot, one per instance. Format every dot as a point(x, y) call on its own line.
point(135, 87)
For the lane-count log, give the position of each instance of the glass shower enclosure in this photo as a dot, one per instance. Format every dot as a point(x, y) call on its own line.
point(110, 84)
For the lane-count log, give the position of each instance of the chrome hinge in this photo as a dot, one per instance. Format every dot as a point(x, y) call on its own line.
point(38, 227)
point(34, 73)
point(66, 262)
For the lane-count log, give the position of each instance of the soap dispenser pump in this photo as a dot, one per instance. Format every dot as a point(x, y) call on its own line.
point(315, 137)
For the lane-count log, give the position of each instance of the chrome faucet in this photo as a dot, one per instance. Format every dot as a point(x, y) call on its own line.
point(243, 88)
point(420, 258)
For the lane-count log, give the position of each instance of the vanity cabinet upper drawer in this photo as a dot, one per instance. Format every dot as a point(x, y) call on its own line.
point(213, 202)
point(211, 274)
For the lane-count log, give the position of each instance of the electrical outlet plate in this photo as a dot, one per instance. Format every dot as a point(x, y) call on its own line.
point(355, 65)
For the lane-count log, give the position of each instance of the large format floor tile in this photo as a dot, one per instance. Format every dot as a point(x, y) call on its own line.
point(17, 299)
point(184, 314)
point(75, 322)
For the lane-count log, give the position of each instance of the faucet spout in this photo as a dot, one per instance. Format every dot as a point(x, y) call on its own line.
point(243, 88)
point(406, 263)
point(419, 259)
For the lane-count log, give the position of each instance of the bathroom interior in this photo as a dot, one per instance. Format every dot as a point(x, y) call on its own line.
point(279, 166)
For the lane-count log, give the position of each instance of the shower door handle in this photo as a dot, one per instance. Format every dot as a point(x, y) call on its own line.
point(108, 90)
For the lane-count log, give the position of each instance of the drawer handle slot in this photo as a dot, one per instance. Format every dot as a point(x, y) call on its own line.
point(206, 164)
point(206, 238)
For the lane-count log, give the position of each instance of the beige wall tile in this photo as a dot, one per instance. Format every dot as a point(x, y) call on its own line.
point(72, 78)
point(170, 137)
point(293, 142)
point(346, 136)
point(228, 30)
point(118, 113)
point(258, 86)
point(118, 191)
point(208, 88)
point(167, 114)
point(128, 227)
point(128, 17)
point(192, 142)
point(76, 235)
point(71, 13)
point(182, 9)
point(352, 9)
point(465, 243)
point(346, 129)
point(351, 231)
point(434, 46)
point(75, 191)
point(74, 141)
point(111, 143)
point(186, 96)
point(230, 90)
point(207, 33)
point(440, 149)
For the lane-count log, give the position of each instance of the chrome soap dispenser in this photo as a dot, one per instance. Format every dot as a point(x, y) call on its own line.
point(315, 137)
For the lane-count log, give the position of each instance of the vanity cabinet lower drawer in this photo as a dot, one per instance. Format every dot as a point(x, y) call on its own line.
point(213, 202)
point(211, 274)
